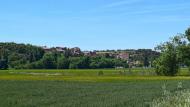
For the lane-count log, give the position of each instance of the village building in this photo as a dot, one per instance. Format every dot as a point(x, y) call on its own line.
point(60, 49)
point(75, 51)
point(124, 56)
point(89, 53)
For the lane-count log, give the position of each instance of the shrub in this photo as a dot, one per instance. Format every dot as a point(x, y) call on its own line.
point(100, 73)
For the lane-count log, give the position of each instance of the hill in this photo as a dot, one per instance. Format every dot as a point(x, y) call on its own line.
point(26, 56)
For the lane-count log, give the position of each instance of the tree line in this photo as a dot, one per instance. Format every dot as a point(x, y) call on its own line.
point(52, 61)
point(21, 56)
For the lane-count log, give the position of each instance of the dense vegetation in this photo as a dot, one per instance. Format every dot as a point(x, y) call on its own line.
point(21, 56)
point(174, 54)
point(14, 55)
point(49, 61)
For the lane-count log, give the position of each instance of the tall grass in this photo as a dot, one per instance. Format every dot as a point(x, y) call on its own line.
point(179, 98)
point(27, 93)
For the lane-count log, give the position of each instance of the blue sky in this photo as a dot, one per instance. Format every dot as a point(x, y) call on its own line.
point(93, 24)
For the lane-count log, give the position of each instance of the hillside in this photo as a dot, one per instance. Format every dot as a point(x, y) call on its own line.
point(26, 56)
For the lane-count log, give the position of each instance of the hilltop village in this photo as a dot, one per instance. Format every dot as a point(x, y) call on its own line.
point(136, 58)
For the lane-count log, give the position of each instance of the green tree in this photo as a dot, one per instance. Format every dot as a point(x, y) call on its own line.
point(169, 61)
point(187, 33)
point(84, 63)
point(120, 63)
point(62, 62)
point(79, 62)
point(34, 65)
point(146, 61)
point(185, 55)
point(106, 63)
point(3, 59)
point(15, 60)
point(94, 65)
point(74, 62)
point(49, 61)
point(184, 49)
point(3, 64)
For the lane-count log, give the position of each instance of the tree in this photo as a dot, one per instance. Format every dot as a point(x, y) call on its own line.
point(106, 63)
point(120, 63)
point(185, 55)
point(179, 53)
point(3, 64)
point(74, 62)
point(94, 65)
point(187, 33)
point(84, 63)
point(62, 63)
point(146, 61)
point(169, 61)
point(79, 62)
point(73, 65)
point(184, 48)
point(34, 65)
point(3, 59)
point(49, 61)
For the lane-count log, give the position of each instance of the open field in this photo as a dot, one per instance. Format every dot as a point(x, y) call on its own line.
point(82, 94)
point(84, 88)
point(92, 75)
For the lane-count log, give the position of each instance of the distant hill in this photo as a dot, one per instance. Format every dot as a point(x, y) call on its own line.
point(19, 54)
point(26, 56)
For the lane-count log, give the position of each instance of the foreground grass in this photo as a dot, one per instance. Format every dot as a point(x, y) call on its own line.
point(180, 98)
point(82, 94)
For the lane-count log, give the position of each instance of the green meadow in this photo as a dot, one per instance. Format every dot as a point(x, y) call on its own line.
point(85, 88)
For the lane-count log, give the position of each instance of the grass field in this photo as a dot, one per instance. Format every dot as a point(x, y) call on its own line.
point(84, 88)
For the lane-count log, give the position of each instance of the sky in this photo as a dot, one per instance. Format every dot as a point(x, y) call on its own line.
point(93, 24)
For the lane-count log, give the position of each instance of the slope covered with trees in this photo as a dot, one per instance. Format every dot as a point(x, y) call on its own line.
point(26, 56)
point(21, 56)
point(14, 55)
